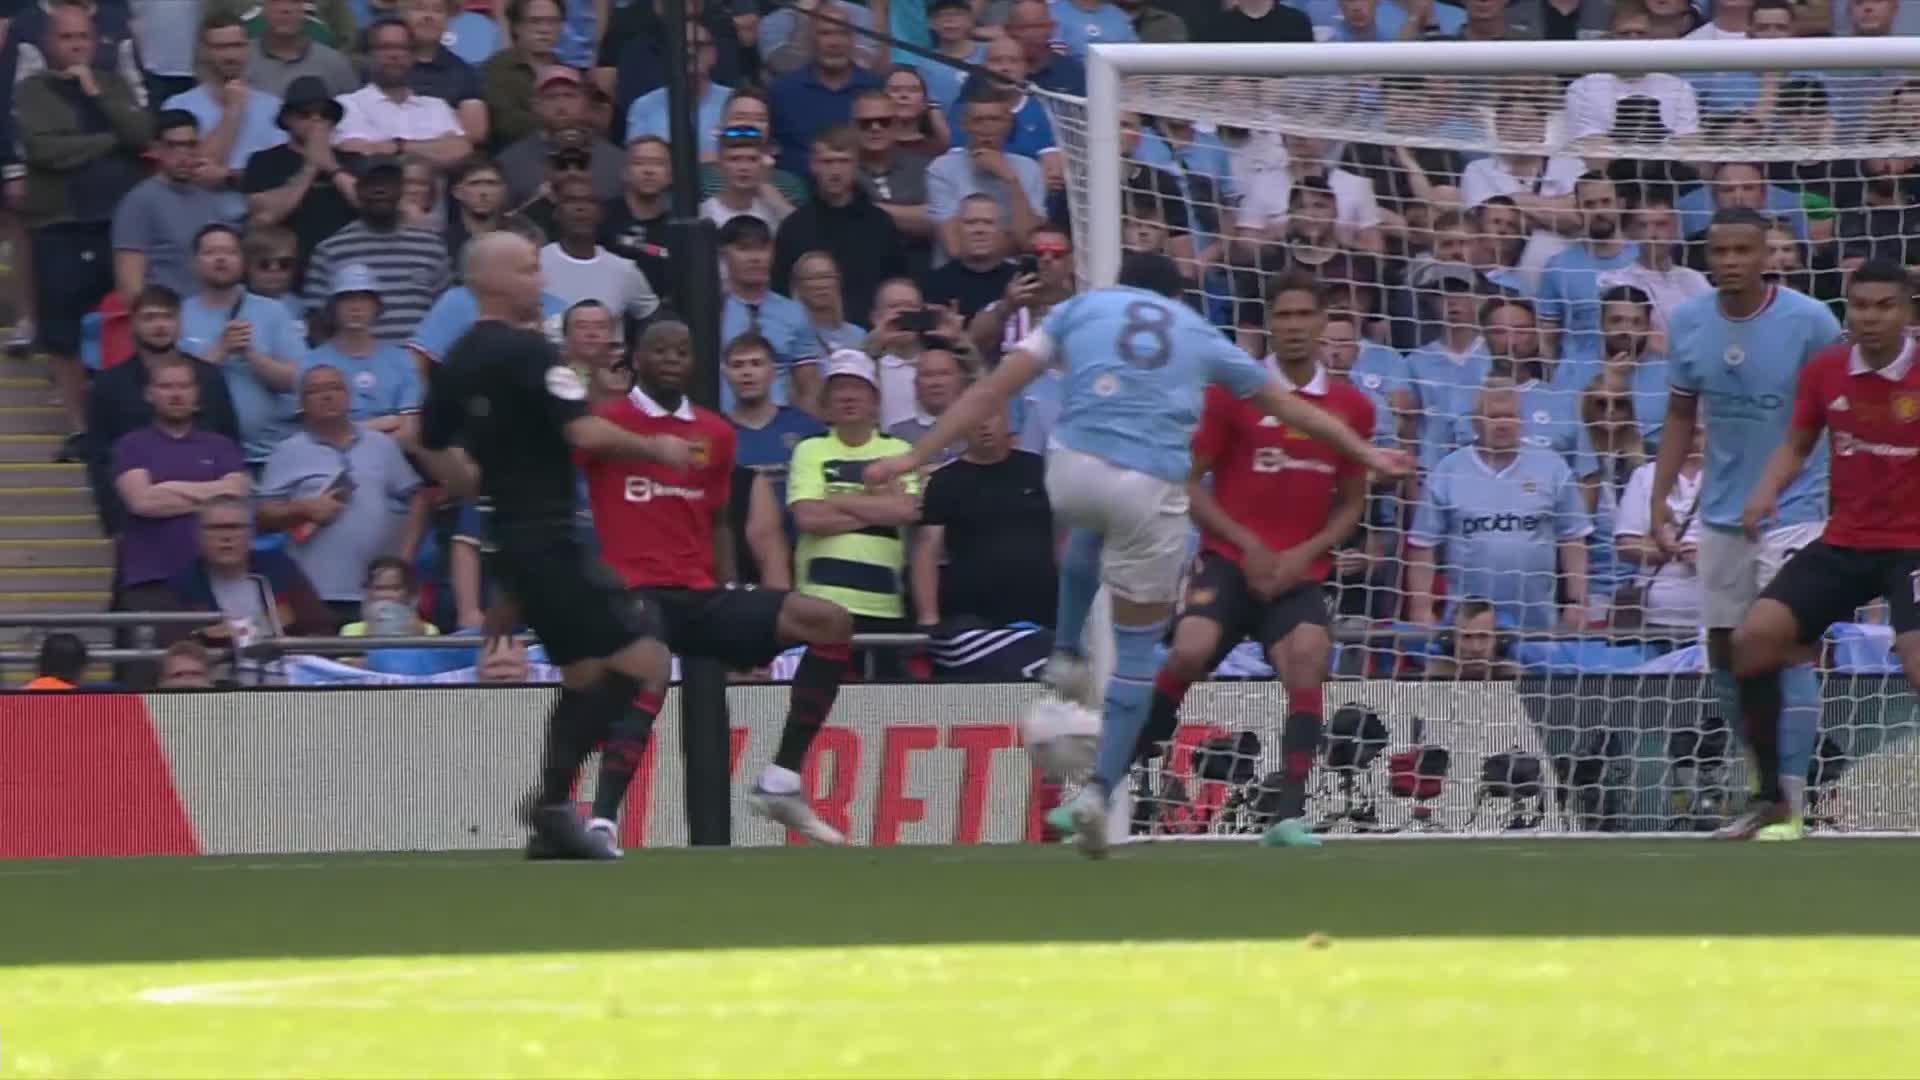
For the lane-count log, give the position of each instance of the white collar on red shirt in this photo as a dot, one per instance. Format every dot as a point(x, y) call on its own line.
point(653, 408)
point(1316, 386)
point(1894, 372)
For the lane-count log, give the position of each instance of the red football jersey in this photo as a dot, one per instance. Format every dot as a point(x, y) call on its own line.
point(655, 523)
point(1872, 421)
point(1274, 480)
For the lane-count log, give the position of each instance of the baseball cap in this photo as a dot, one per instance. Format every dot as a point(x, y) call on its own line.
point(381, 163)
point(555, 74)
point(855, 363)
point(355, 278)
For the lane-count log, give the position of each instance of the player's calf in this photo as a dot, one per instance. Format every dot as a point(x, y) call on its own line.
point(1196, 640)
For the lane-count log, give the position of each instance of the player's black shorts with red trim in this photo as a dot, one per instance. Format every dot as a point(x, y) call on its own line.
point(1218, 590)
point(1822, 584)
point(738, 627)
point(577, 606)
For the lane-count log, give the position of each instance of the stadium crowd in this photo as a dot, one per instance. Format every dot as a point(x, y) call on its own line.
point(246, 228)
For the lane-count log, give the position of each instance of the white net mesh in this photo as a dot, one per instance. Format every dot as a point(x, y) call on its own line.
point(1447, 216)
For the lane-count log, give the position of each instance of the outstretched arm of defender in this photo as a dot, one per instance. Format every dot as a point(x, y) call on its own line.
point(1016, 370)
point(1287, 407)
point(1782, 466)
point(603, 438)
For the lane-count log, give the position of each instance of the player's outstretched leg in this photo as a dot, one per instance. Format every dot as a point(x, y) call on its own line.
point(590, 694)
point(1196, 646)
point(637, 685)
point(1128, 691)
point(826, 628)
point(1068, 672)
point(1762, 647)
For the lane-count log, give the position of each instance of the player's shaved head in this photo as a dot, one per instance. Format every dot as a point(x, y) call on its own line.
point(503, 270)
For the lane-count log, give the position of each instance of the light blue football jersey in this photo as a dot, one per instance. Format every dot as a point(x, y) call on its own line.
point(1745, 372)
point(1446, 385)
point(1136, 366)
point(1497, 531)
point(1570, 296)
point(1549, 420)
point(1379, 372)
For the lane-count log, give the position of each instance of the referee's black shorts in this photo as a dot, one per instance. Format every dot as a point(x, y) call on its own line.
point(577, 606)
point(1822, 584)
point(738, 627)
point(1218, 591)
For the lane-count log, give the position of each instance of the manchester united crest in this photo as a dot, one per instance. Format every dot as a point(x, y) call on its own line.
point(1906, 407)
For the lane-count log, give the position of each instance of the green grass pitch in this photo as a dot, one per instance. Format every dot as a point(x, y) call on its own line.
point(1363, 959)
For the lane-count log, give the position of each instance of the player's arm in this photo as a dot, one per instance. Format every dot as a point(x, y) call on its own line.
point(1213, 518)
point(725, 563)
point(1290, 409)
point(1787, 459)
point(1015, 371)
point(597, 436)
point(1676, 441)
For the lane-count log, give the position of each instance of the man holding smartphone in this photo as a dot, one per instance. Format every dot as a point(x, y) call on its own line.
point(1042, 277)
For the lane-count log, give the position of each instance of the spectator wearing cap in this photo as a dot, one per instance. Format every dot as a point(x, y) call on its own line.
point(893, 177)
point(821, 93)
point(118, 403)
point(75, 179)
point(648, 115)
point(507, 77)
point(236, 120)
point(409, 264)
point(842, 220)
point(576, 268)
point(984, 166)
point(1594, 101)
point(979, 274)
point(752, 306)
point(564, 136)
point(746, 181)
point(344, 494)
point(852, 547)
point(387, 116)
point(284, 53)
point(437, 72)
point(154, 226)
point(304, 183)
point(382, 380)
point(254, 342)
point(634, 226)
point(1448, 371)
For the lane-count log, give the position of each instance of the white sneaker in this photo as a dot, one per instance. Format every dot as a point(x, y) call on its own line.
point(1071, 677)
point(1088, 811)
point(792, 811)
point(604, 837)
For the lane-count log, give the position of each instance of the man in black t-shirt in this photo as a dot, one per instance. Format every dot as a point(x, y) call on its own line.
point(304, 183)
point(503, 419)
point(978, 273)
point(1252, 21)
point(987, 514)
point(635, 224)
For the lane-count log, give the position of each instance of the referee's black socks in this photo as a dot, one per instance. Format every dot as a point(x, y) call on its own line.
point(1760, 705)
point(572, 728)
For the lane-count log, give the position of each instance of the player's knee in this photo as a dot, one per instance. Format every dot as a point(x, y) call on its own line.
point(1194, 643)
point(1762, 642)
point(1302, 660)
point(815, 621)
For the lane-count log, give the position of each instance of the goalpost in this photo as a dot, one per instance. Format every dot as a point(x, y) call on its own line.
point(1451, 186)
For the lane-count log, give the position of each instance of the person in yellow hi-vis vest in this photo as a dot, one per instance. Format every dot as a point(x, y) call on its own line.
point(852, 547)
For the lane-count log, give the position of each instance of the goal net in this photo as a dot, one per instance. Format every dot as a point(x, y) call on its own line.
point(1503, 233)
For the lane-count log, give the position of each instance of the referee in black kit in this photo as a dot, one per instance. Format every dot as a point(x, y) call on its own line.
point(518, 413)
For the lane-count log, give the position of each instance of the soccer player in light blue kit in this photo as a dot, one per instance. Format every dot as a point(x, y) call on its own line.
point(1738, 352)
point(1136, 363)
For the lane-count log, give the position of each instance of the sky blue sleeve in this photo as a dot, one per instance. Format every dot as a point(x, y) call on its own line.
point(1680, 374)
point(1551, 301)
point(1231, 367)
point(1585, 461)
point(408, 392)
point(1433, 518)
point(438, 330)
point(1826, 329)
point(284, 340)
point(943, 195)
point(1570, 520)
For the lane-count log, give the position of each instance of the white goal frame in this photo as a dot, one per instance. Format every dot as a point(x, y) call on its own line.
point(1108, 65)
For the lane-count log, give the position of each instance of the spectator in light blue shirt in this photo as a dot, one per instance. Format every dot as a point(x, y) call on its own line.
point(1508, 522)
point(473, 37)
point(984, 167)
point(251, 339)
point(1446, 374)
point(1568, 302)
point(648, 114)
point(1376, 370)
point(1080, 23)
point(222, 93)
point(383, 383)
point(455, 313)
point(953, 26)
point(1549, 416)
point(816, 285)
point(751, 306)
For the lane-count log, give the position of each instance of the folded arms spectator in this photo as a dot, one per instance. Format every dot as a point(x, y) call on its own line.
point(387, 116)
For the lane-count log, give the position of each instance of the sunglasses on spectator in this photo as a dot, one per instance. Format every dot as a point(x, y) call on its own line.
point(743, 131)
point(871, 123)
point(274, 262)
point(1051, 251)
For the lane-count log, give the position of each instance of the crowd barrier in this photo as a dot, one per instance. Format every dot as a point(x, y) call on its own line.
point(437, 769)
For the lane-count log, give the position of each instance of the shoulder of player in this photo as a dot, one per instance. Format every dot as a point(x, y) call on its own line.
point(1833, 357)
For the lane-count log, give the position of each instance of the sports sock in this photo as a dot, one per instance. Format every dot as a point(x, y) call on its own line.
point(1079, 583)
point(815, 686)
point(1799, 731)
point(1128, 691)
point(1760, 709)
point(1163, 714)
point(635, 708)
point(572, 729)
point(1299, 743)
